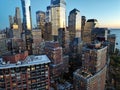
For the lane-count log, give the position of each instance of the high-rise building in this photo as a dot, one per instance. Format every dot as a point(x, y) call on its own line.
point(84, 80)
point(83, 21)
point(18, 19)
point(40, 19)
point(3, 44)
point(37, 39)
point(48, 32)
point(100, 34)
point(10, 21)
point(26, 8)
point(58, 16)
point(89, 25)
point(92, 75)
point(58, 2)
point(94, 57)
point(48, 14)
point(74, 24)
point(59, 64)
point(29, 74)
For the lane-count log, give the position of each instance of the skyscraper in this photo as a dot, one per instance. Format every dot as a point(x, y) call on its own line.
point(40, 19)
point(83, 20)
point(27, 24)
point(10, 21)
point(58, 15)
point(48, 14)
point(74, 24)
point(89, 25)
point(18, 18)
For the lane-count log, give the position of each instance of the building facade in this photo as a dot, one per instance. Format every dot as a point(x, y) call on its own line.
point(18, 19)
point(100, 34)
point(84, 80)
point(92, 75)
point(83, 21)
point(59, 63)
point(37, 39)
point(26, 8)
point(74, 24)
point(94, 57)
point(48, 14)
point(58, 15)
point(29, 74)
point(89, 25)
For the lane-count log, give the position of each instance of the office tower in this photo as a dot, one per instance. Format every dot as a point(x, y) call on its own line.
point(89, 25)
point(83, 21)
point(74, 24)
point(48, 14)
point(32, 72)
point(18, 19)
point(27, 24)
point(26, 8)
point(92, 75)
point(10, 21)
point(58, 16)
point(58, 2)
point(40, 19)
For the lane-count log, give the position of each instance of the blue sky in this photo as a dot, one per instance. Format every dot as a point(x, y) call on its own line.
point(107, 12)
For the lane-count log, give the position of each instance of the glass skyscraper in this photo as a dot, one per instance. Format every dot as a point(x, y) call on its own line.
point(74, 24)
point(27, 24)
point(58, 2)
point(58, 15)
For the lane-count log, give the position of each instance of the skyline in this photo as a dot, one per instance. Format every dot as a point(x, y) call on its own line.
point(105, 11)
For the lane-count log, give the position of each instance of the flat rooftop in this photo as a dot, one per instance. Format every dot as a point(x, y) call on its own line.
point(82, 73)
point(30, 60)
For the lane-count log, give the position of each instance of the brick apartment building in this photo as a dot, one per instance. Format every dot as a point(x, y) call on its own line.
point(32, 73)
point(92, 75)
point(59, 63)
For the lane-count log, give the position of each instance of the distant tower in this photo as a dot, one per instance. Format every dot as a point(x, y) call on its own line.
point(74, 24)
point(89, 25)
point(27, 23)
point(58, 16)
point(18, 18)
point(10, 21)
point(48, 14)
point(40, 19)
point(83, 20)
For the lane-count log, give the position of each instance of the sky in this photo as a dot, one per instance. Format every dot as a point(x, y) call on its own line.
point(107, 12)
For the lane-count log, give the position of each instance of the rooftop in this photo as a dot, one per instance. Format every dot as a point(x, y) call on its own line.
point(83, 73)
point(30, 60)
point(92, 20)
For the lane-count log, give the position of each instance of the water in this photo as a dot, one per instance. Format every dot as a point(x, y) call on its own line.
point(117, 33)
